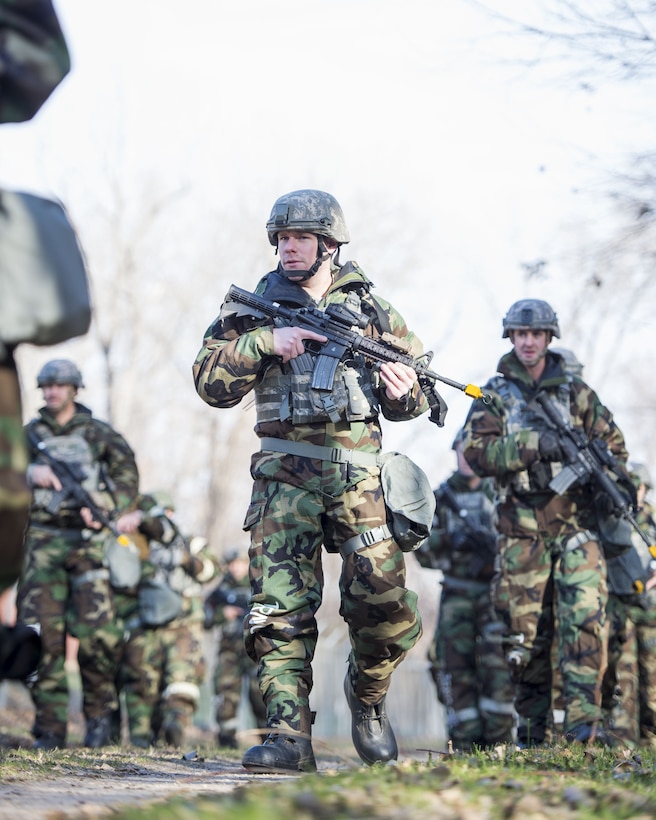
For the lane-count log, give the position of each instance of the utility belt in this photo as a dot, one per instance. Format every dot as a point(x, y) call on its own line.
point(409, 499)
point(336, 455)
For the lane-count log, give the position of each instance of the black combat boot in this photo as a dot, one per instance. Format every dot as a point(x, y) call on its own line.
point(99, 732)
point(48, 741)
point(281, 753)
point(372, 734)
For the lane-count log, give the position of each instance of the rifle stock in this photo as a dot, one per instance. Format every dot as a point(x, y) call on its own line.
point(337, 323)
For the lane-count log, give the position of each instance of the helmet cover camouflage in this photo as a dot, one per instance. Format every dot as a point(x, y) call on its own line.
point(308, 210)
point(642, 472)
point(530, 313)
point(59, 371)
point(163, 499)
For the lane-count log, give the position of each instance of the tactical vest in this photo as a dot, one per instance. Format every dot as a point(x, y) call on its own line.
point(520, 417)
point(285, 392)
point(74, 450)
point(479, 509)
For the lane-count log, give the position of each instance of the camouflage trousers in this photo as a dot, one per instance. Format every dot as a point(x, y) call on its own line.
point(162, 670)
point(65, 588)
point(232, 667)
point(550, 590)
point(288, 526)
point(15, 495)
point(469, 668)
point(630, 683)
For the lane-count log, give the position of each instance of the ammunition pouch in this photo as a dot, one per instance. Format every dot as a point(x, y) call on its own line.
point(409, 500)
point(615, 534)
point(122, 561)
point(158, 603)
point(627, 576)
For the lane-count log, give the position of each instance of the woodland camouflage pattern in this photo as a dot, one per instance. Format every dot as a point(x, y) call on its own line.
point(233, 665)
point(538, 576)
point(65, 585)
point(33, 61)
point(630, 684)
point(297, 504)
point(467, 661)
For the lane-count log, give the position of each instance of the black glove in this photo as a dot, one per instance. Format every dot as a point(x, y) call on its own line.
point(549, 447)
point(629, 490)
point(604, 504)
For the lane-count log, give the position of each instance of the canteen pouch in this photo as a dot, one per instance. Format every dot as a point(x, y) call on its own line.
point(123, 562)
point(409, 499)
point(158, 603)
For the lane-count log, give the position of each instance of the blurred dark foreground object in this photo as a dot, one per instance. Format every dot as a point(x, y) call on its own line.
point(20, 651)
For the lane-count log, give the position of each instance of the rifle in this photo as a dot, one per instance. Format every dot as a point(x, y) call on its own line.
point(337, 323)
point(71, 476)
point(590, 459)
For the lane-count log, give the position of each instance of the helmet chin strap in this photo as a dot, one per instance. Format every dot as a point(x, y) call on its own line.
point(322, 255)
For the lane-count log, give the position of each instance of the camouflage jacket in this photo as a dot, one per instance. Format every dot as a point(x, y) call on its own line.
point(462, 542)
point(117, 466)
point(492, 449)
point(33, 57)
point(237, 351)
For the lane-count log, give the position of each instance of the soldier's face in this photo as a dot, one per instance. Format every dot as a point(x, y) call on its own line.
point(58, 396)
point(298, 250)
point(530, 345)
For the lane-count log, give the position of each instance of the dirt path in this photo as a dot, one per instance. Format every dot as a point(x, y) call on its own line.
point(77, 783)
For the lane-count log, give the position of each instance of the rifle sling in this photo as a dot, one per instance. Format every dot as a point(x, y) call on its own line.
point(337, 455)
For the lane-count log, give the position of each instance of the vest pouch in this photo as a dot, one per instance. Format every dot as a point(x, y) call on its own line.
point(409, 500)
point(122, 560)
point(615, 534)
point(158, 603)
point(44, 290)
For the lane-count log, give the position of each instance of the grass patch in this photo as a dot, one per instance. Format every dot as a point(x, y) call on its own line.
point(560, 781)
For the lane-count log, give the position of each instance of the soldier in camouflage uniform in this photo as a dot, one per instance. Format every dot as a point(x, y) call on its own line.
point(65, 583)
point(468, 665)
point(34, 59)
point(226, 606)
point(551, 581)
point(316, 481)
point(630, 684)
point(163, 666)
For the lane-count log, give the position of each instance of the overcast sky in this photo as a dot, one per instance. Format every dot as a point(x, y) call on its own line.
point(416, 108)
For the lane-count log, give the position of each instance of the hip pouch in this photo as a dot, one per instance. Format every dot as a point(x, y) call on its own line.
point(409, 500)
point(158, 603)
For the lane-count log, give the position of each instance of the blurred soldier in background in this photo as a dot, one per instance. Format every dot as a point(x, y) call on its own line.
point(163, 666)
point(65, 584)
point(34, 59)
point(630, 683)
point(226, 606)
point(468, 664)
point(550, 553)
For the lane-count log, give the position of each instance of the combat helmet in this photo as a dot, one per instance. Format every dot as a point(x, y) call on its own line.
point(59, 371)
point(641, 470)
point(530, 313)
point(308, 210)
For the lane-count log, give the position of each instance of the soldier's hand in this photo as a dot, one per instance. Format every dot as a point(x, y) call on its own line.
point(89, 520)
point(130, 521)
point(42, 475)
point(398, 378)
point(288, 342)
